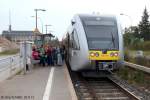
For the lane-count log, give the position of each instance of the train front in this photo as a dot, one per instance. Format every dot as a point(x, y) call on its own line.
point(104, 42)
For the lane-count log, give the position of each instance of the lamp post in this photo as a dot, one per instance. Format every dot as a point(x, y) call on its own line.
point(36, 10)
point(128, 17)
point(46, 27)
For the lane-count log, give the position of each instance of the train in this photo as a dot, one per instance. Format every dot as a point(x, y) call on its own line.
point(94, 42)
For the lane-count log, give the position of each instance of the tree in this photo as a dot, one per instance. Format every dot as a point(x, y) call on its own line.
point(136, 32)
point(144, 26)
point(128, 36)
point(132, 36)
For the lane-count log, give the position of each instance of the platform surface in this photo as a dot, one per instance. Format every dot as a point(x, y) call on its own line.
point(32, 86)
point(60, 89)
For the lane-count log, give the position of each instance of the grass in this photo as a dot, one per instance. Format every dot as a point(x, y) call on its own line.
point(9, 52)
point(134, 77)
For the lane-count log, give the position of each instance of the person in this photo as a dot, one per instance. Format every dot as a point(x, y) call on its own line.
point(49, 55)
point(62, 50)
point(59, 57)
point(42, 55)
point(54, 56)
point(35, 54)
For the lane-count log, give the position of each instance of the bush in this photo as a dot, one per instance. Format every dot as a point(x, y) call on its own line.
point(141, 46)
point(126, 55)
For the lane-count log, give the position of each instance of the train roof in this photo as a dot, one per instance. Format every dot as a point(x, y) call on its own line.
point(88, 17)
point(96, 17)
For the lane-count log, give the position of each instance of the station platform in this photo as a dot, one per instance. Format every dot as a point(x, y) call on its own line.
point(40, 83)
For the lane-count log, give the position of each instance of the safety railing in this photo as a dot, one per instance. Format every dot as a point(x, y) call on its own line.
point(139, 67)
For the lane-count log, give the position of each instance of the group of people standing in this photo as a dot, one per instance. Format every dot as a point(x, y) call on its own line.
point(48, 55)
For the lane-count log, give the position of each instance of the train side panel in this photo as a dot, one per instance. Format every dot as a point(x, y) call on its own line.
point(79, 57)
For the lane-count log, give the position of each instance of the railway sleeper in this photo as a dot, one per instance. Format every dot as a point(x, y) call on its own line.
point(106, 90)
point(104, 87)
point(85, 94)
point(115, 98)
point(99, 84)
point(87, 98)
point(111, 94)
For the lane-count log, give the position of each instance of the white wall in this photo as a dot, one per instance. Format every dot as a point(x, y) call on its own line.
point(10, 66)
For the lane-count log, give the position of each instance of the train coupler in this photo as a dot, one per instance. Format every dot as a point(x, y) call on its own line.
point(105, 65)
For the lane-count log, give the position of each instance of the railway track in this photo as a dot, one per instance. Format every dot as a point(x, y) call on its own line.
point(100, 89)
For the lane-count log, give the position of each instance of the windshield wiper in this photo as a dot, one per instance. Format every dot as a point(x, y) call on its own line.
point(112, 42)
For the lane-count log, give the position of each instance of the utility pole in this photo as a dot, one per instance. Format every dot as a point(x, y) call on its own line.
point(46, 27)
point(9, 20)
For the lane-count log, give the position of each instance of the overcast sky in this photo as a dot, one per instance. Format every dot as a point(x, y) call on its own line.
point(59, 12)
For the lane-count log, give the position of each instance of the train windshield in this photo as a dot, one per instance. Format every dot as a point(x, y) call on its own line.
point(101, 34)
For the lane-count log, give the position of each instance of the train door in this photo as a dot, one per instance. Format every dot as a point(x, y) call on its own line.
point(75, 48)
point(68, 49)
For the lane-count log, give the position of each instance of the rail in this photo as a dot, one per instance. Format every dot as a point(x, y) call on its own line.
point(139, 67)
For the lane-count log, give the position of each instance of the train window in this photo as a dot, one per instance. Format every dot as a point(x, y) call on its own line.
point(102, 37)
point(71, 41)
point(75, 40)
point(101, 33)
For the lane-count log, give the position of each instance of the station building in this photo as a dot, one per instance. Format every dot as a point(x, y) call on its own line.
point(18, 36)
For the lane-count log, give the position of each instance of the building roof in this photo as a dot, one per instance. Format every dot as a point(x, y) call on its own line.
point(24, 33)
point(49, 34)
point(18, 33)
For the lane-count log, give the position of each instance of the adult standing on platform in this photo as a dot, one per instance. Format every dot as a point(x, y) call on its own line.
point(54, 56)
point(59, 57)
point(49, 55)
point(62, 50)
point(42, 55)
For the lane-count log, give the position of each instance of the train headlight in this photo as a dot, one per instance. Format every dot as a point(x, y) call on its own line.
point(96, 54)
point(111, 54)
point(92, 54)
point(116, 54)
